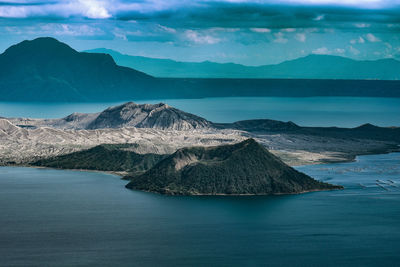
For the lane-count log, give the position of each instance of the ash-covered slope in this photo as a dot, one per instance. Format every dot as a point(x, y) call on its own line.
point(157, 116)
point(243, 168)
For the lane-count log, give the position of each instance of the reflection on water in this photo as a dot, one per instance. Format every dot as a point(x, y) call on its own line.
point(376, 173)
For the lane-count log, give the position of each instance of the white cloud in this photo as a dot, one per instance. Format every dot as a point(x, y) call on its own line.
point(319, 17)
point(340, 50)
point(301, 37)
point(360, 40)
point(280, 38)
point(289, 30)
point(358, 3)
point(94, 9)
point(321, 51)
point(354, 51)
point(199, 38)
point(260, 30)
point(167, 29)
point(72, 30)
point(101, 9)
point(372, 38)
point(61, 29)
point(221, 29)
point(362, 25)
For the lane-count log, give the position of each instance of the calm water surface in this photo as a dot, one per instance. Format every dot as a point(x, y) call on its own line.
point(70, 218)
point(307, 111)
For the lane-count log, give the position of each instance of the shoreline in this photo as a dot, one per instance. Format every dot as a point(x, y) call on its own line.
point(122, 174)
point(119, 174)
point(351, 157)
point(238, 195)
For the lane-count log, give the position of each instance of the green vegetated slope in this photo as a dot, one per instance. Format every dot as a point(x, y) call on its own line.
point(103, 158)
point(243, 168)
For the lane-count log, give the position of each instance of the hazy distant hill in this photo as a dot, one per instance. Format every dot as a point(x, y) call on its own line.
point(309, 67)
point(46, 70)
point(243, 168)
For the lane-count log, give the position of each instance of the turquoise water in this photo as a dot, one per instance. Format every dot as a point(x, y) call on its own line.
point(307, 111)
point(69, 218)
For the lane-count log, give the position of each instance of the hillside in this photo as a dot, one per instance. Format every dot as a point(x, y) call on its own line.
point(243, 168)
point(45, 69)
point(157, 116)
point(309, 67)
point(103, 158)
point(265, 126)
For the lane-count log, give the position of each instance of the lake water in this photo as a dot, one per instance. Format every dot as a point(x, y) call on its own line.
point(69, 218)
point(306, 111)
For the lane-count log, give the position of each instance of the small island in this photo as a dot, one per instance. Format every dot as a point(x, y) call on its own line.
point(245, 168)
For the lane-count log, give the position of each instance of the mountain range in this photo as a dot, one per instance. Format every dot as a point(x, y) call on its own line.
point(308, 67)
point(46, 70)
point(161, 129)
point(164, 117)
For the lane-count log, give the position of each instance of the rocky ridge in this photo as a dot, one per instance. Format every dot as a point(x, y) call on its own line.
point(156, 116)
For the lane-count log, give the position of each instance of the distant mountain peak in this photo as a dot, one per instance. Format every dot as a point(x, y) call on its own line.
point(160, 116)
point(367, 126)
point(40, 45)
point(46, 69)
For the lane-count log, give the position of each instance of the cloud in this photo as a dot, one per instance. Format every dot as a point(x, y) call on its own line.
point(210, 26)
point(167, 29)
point(319, 17)
point(321, 51)
point(325, 51)
point(354, 51)
point(252, 14)
point(340, 50)
point(72, 30)
point(301, 37)
point(280, 38)
point(365, 4)
point(260, 30)
point(289, 30)
point(200, 38)
point(362, 25)
point(58, 29)
point(94, 9)
point(359, 40)
point(372, 38)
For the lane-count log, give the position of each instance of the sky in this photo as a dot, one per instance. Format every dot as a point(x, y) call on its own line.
point(250, 32)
